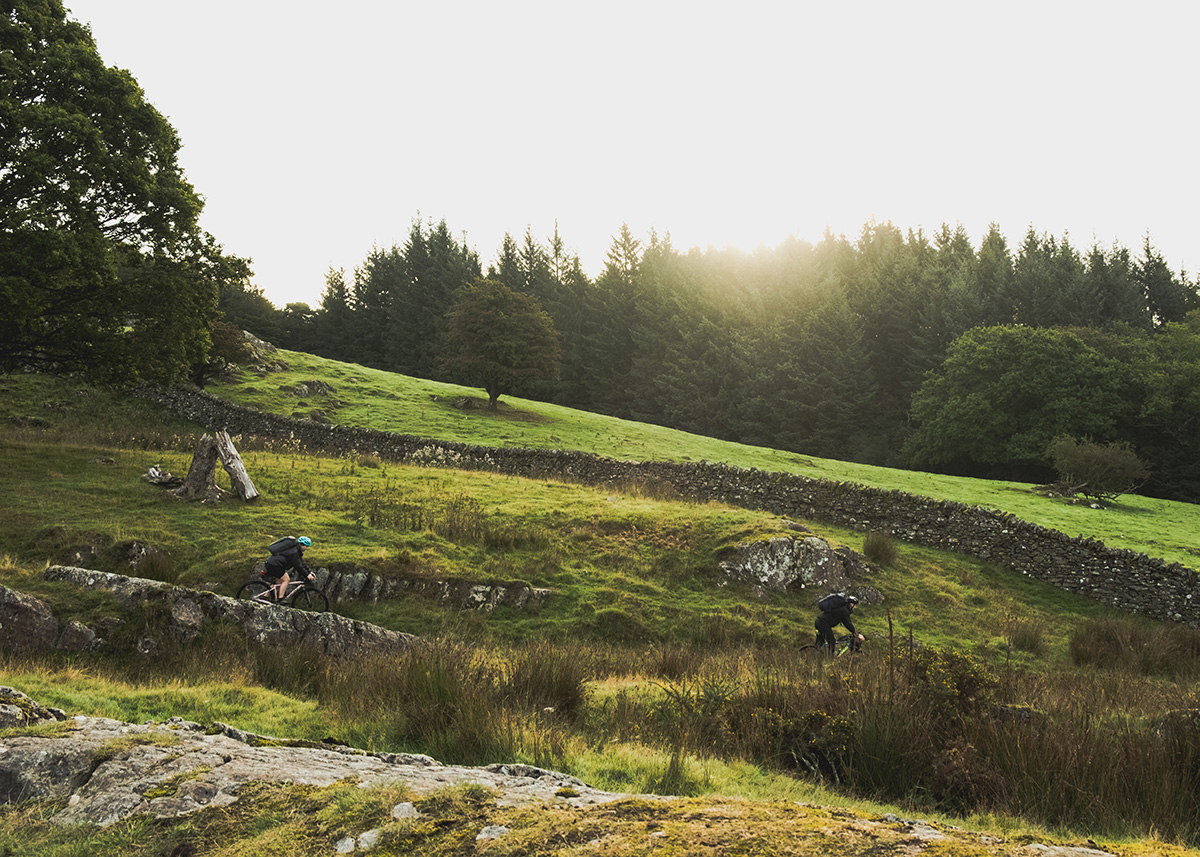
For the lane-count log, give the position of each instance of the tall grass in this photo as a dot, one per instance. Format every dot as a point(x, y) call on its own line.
point(1109, 751)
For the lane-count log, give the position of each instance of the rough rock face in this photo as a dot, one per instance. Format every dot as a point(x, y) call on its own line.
point(109, 770)
point(106, 771)
point(17, 709)
point(28, 623)
point(362, 585)
point(789, 563)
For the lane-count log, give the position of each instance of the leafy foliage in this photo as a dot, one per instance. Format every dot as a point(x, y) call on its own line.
point(500, 339)
point(104, 268)
point(1004, 393)
point(1103, 470)
point(822, 349)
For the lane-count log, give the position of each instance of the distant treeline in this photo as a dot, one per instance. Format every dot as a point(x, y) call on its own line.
point(897, 348)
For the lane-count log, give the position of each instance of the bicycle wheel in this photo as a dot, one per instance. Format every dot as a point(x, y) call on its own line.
point(254, 590)
point(312, 600)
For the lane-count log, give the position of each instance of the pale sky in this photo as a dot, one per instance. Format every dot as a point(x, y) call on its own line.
point(317, 131)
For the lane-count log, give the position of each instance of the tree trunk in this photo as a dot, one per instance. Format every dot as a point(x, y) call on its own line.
point(232, 462)
point(200, 482)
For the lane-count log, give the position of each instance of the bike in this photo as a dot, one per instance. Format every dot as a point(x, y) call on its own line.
point(843, 644)
point(300, 595)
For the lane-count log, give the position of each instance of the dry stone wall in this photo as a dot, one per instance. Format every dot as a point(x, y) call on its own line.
point(1124, 579)
point(28, 624)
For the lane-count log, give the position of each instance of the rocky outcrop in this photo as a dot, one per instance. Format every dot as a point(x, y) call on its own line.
point(17, 709)
point(29, 624)
point(95, 771)
point(363, 585)
point(806, 562)
point(107, 770)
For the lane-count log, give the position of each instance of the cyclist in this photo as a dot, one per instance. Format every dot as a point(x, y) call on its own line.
point(278, 566)
point(838, 614)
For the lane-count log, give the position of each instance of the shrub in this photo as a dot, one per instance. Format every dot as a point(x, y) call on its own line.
point(963, 781)
point(953, 682)
point(1101, 470)
point(1125, 644)
point(1103, 643)
point(1026, 636)
point(880, 548)
point(549, 676)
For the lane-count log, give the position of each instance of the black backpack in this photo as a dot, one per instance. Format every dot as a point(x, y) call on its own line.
point(280, 545)
point(831, 602)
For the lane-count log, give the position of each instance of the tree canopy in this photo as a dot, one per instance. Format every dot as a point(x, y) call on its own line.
point(821, 348)
point(104, 267)
point(500, 339)
point(1003, 394)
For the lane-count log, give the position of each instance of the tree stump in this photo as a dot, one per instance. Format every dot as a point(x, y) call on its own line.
point(200, 482)
point(232, 462)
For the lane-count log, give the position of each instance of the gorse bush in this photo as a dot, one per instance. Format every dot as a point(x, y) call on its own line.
point(953, 683)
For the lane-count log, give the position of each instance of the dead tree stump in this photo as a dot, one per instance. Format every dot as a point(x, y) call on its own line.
point(232, 462)
point(200, 482)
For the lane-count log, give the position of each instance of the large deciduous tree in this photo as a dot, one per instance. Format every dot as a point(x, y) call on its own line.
point(500, 339)
point(102, 265)
point(1003, 394)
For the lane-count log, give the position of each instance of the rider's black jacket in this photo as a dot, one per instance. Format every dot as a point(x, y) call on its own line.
point(292, 558)
point(826, 621)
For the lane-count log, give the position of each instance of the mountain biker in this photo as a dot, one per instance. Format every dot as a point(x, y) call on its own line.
point(277, 566)
point(838, 615)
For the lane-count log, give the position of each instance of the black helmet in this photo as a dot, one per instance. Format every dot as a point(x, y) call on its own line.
point(853, 599)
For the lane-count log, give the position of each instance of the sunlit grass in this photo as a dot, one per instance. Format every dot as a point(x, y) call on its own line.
point(382, 400)
point(636, 622)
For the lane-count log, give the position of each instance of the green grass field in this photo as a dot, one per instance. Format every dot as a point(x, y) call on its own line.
point(662, 679)
point(380, 400)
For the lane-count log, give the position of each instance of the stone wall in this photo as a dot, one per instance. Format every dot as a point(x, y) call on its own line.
point(28, 624)
point(1124, 579)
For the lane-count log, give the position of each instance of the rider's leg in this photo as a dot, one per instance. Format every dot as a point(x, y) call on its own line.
point(825, 640)
point(281, 586)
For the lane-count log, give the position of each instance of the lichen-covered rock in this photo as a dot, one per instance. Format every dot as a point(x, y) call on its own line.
point(27, 624)
point(109, 770)
point(17, 709)
point(188, 610)
point(794, 563)
point(77, 637)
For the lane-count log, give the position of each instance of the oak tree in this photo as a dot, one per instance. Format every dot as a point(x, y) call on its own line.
point(102, 265)
point(500, 339)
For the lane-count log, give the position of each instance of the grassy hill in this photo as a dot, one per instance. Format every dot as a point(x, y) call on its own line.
point(641, 672)
point(368, 397)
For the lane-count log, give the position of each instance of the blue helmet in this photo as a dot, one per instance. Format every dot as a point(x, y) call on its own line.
point(305, 540)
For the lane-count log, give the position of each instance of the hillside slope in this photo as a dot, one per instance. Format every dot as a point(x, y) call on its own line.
point(349, 394)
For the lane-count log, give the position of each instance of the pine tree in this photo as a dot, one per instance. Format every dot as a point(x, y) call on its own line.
point(1169, 298)
point(333, 337)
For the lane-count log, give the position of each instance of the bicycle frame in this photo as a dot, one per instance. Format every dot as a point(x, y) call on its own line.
point(843, 644)
point(299, 594)
point(264, 597)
